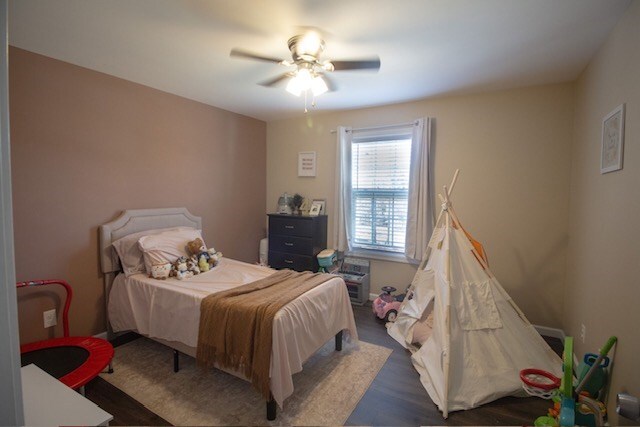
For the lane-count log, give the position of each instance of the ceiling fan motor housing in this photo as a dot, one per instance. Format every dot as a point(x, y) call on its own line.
point(306, 48)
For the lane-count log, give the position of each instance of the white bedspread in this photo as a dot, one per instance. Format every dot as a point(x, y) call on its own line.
point(170, 310)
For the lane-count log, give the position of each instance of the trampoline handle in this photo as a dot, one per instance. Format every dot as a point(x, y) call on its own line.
point(67, 302)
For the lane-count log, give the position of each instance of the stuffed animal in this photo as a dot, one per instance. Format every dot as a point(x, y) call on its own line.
point(179, 269)
point(195, 247)
point(160, 271)
point(192, 266)
point(203, 263)
point(198, 250)
point(214, 257)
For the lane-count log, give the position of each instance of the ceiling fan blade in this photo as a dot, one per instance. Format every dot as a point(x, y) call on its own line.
point(274, 81)
point(239, 53)
point(362, 64)
point(331, 84)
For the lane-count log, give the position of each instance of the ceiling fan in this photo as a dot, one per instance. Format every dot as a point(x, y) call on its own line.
point(310, 70)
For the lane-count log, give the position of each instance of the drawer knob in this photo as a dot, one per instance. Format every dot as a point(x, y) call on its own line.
point(288, 244)
point(291, 227)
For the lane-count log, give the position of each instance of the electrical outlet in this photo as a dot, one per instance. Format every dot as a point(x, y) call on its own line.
point(50, 318)
point(583, 332)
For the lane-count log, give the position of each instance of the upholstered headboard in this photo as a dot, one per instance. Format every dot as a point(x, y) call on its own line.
point(135, 220)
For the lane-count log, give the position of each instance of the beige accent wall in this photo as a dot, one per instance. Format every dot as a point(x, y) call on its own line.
point(603, 273)
point(513, 150)
point(86, 145)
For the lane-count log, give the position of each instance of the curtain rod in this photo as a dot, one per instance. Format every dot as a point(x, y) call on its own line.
point(401, 125)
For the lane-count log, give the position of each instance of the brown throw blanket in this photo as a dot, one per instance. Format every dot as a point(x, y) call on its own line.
point(236, 325)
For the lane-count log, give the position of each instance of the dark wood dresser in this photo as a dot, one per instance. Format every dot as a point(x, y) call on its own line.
point(295, 240)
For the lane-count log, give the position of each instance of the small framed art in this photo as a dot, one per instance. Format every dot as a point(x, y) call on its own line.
point(322, 204)
point(307, 163)
point(612, 140)
point(315, 209)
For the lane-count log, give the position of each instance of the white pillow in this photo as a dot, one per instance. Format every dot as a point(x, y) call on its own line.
point(130, 255)
point(167, 246)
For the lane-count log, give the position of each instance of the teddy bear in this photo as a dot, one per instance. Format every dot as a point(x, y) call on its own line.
point(196, 250)
point(196, 246)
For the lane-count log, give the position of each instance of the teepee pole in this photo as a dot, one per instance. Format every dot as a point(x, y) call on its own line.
point(448, 193)
point(447, 357)
point(427, 253)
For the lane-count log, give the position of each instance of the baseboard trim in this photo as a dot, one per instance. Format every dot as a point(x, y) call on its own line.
point(550, 332)
point(102, 335)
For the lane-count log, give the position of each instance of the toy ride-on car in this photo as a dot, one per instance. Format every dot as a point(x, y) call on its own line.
point(386, 305)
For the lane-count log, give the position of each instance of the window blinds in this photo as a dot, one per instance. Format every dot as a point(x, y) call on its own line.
point(380, 184)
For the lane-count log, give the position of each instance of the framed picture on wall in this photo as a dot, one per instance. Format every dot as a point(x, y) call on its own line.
point(612, 140)
point(307, 163)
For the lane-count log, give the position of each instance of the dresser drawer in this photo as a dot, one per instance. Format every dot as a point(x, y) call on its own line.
point(291, 226)
point(297, 245)
point(295, 262)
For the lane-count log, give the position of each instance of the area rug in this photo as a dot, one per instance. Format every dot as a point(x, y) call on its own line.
point(326, 391)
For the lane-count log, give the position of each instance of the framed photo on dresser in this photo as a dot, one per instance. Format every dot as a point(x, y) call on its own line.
point(315, 209)
point(322, 206)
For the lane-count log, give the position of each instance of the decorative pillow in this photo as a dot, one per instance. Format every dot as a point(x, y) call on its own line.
point(166, 246)
point(129, 253)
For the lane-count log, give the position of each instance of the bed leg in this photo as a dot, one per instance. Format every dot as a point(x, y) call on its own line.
point(272, 409)
point(176, 360)
point(339, 341)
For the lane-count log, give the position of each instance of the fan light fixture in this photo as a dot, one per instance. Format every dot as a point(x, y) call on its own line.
point(303, 80)
point(309, 77)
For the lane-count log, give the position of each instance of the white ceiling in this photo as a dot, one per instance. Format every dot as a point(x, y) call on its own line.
point(426, 47)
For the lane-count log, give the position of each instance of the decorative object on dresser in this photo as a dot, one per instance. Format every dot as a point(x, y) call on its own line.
point(294, 241)
point(283, 204)
point(322, 203)
point(296, 203)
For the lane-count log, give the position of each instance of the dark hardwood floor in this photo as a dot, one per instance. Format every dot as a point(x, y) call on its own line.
point(396, 396)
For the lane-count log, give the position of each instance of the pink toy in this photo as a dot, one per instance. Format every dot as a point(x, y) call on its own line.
point(386, 306)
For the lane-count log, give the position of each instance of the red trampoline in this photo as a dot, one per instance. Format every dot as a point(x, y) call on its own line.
point(73, 360)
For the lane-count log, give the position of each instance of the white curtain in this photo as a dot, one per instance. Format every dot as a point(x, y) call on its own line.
point(342, 209)
point(419, 212)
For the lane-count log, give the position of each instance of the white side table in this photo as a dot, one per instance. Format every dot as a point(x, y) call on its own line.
point(48, 402)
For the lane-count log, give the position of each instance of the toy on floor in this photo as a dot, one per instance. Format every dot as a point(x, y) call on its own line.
point(326, 260)
point(386, 305)
point(572, 407)
point(74, 361)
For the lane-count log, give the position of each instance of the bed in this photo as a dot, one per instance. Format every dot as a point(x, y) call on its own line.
point(168, 311)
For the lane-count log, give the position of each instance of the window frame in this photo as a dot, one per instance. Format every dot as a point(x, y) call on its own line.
point(396, 134)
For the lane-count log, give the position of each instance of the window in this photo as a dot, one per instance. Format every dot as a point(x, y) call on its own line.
point(379, 191)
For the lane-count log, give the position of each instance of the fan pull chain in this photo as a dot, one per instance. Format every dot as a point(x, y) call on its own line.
point(305, 102)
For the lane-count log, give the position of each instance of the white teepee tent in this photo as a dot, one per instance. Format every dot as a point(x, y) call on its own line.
point(469, 339)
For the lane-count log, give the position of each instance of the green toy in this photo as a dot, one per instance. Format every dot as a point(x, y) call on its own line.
point(572, 407)
point(585, 377)
point(567, 415)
